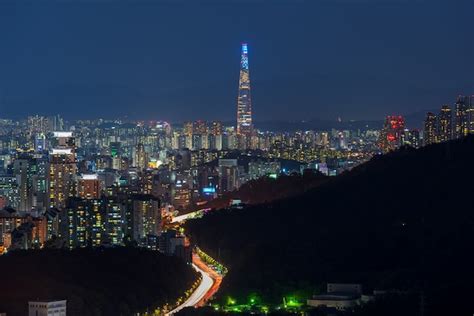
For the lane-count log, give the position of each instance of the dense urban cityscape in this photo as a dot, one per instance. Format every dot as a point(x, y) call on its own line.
point(115, 215)
point(109, 183)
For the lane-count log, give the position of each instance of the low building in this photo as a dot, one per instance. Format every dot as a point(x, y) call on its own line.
point(47, 308)
point(339, 296)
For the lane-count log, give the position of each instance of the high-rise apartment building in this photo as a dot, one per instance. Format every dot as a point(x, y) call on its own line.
point(62, 170)
point(146, 216)
point(228, 175)
point(445, 124)
point(23, 171)
point(430, 131)
point(462, 111)
point(200, 127)
point(411, 137)
point(216, 128)
point(141, 158)
point(89, 186)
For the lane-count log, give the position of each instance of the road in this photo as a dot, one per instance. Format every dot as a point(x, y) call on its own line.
point(195, 214)
point(201, 294)
point(216, 277)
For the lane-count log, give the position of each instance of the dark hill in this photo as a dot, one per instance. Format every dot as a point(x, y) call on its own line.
point(266, 189)
point(400, 221)
point(119, 281)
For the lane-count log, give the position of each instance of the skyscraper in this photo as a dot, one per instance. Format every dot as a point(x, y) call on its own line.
point(390, 136)
point(445, 124)
point(244, 101)
point(461, 117)
point(429, 135)
point(62, 170)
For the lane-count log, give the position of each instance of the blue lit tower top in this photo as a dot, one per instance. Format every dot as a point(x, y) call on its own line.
point(244, 101)
point(245, 58)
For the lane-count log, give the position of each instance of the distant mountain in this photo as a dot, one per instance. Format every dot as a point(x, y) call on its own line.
point(401, 221)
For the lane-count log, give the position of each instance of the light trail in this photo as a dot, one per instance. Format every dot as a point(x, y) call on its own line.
point(206, 285)
point(195, 214)
point(216, 277)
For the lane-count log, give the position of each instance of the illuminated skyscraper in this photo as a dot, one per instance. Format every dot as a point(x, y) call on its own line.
point(141, 159)
point(445, 124)
point(244, 101)
point(390, 136)
point(89, 186)
point(429, 135)
point(411, 138)
point(461, 117)
point(62, 170)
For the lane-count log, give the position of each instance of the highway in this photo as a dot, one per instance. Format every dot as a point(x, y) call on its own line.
point(201, 292)
point(195, 214)
point(210, 281)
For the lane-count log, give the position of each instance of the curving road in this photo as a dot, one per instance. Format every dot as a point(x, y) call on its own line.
point(199, 294)
point(195, 214)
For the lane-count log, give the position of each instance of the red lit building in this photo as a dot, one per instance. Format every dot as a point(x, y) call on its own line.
point(390, 136)
point(89, 186)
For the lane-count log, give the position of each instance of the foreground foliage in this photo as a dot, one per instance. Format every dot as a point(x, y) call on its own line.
point(118, 281)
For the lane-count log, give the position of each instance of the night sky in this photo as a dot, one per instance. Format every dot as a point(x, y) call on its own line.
point(179, 60)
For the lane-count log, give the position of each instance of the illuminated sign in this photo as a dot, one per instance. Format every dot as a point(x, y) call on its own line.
point(209, 190)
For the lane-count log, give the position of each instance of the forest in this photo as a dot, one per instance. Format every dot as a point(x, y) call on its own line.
point(402, 222)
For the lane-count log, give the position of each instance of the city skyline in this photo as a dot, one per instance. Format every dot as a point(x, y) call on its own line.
point(55, 64)
point(236, 157)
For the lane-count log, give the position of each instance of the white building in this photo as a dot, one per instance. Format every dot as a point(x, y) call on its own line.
point(339, 296)
point(47, 308)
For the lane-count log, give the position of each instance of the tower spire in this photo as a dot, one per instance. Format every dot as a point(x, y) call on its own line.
point(244, 101)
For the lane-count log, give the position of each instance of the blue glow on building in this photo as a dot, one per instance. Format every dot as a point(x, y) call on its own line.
point(209, 190)
point(244, 48)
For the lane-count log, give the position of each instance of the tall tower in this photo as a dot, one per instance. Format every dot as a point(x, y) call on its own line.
point(244, 101)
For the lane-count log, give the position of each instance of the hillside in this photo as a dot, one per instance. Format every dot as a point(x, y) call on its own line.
point(266, 189)
point(117, 281)
point(400, 221)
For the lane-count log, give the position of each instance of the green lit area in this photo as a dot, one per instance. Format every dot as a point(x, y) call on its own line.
point(214, 264)
point(255, 304)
